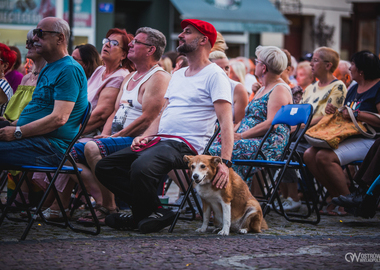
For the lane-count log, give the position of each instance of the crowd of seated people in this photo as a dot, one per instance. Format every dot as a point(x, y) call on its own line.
point(135, 93)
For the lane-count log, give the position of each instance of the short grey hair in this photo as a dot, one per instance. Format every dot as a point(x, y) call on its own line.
point(273, 57)
point(155, 38)
point(61, 26)
point(30, 35)
point(345, 64)
point(215, 55)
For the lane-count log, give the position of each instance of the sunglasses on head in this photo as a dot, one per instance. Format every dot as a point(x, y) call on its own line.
point(39, 32)
point(29, 43)
point(112, 42)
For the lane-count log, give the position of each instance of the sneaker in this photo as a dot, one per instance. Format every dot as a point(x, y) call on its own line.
point(290, 206)
point(121, 221)
point(276, 202)
point(157, 221)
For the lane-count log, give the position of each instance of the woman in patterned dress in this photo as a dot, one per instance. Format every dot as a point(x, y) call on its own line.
point(270, 63)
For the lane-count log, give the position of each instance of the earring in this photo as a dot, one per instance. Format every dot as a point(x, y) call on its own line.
point(120, 65)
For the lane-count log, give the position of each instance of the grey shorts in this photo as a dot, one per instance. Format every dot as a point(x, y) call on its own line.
point(353, 149)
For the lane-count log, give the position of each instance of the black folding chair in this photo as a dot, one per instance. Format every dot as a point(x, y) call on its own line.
point(292, 115)
point(190, 189)
point(61, 169)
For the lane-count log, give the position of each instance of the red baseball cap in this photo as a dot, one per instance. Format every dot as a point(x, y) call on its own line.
point(205, 28)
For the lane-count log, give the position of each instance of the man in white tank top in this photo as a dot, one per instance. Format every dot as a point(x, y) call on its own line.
point(139, 102)
point(196, 96)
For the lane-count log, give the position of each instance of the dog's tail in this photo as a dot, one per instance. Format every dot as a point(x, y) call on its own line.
point(264, 225)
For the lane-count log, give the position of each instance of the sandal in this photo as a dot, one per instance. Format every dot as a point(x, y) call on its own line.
point(54, 215)
point(336, 212)
point(101, 213)
point(324, 210)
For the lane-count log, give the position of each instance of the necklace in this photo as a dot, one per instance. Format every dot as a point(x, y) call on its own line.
point(35, 73)
point(135, 80)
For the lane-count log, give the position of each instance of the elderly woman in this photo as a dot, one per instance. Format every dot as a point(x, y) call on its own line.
point(326, 164)
point(327, 90)
point(7, 59)
point(304, 74)
point(239, 93)
point(270, 63)
point(24, 94)
point(103, 88)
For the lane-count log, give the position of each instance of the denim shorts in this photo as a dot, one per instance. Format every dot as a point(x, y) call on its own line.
point(33, 151)
point(106, 146)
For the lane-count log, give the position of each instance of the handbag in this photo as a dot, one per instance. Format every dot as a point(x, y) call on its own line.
point(333, 129)
point(18, 102)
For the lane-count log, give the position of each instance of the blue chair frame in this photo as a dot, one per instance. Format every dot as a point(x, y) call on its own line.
point(291, 115)
point(61, 169)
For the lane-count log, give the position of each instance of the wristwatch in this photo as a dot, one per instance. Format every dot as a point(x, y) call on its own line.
point(227, 162)
point(18, 133)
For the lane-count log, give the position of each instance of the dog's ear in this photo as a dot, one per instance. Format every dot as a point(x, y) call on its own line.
point(187, 159)
point(216, 160)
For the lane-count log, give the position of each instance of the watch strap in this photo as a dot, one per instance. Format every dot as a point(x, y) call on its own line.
point(227, 162)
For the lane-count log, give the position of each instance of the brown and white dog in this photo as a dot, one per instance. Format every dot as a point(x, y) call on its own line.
point(234, 207)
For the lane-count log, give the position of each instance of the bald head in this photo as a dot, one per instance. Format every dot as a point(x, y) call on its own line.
point(343, 72)
point(57, 25)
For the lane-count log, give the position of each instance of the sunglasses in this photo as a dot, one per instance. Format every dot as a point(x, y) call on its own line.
point(134, 41)
point(39, 32)
point(112, 42)
point(29, 43)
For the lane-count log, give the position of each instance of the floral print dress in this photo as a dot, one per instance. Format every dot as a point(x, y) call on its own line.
point(256, 112)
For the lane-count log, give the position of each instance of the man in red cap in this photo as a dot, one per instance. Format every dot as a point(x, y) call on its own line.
point(197, 95)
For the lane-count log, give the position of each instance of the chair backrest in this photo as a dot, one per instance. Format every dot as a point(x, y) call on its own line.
point(293, 114)
point(83, 123)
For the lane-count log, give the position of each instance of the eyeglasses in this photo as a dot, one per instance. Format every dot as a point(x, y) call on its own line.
point(112, 42)
point(258, 61)
point(29, 43)
point(39, 32)
point(316, 60)
point(134, 41)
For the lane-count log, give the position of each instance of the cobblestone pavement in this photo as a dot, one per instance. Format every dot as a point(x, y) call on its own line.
point(284, 245)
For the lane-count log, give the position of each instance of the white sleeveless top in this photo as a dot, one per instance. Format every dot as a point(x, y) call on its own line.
point(130, 108)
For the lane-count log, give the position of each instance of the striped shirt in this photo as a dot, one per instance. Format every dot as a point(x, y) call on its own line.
point(7, 89)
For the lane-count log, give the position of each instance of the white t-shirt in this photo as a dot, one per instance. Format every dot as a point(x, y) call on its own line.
point(249, 81)
point(190, 113)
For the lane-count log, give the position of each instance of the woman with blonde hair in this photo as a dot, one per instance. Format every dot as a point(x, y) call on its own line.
point(304, 76)
point(270, 63)
point(239, 93)
point(237, 71)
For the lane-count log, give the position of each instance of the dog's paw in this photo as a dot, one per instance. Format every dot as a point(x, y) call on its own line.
point(201, 230)
point(243, 231)
point(224, 232)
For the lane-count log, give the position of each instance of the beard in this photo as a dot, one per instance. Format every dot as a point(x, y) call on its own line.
point(188, 47)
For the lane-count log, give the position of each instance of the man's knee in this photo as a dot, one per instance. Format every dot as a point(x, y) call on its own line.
point(91, 151)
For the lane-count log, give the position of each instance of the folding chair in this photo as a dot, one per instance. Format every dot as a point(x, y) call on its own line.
point(190, 188)
point(292, 115)
point(73, 169)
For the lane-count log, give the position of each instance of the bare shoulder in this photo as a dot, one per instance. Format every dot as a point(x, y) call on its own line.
point(239, 88)
point(161, 76)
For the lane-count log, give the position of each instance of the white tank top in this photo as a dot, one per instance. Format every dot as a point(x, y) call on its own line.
point(130, 108)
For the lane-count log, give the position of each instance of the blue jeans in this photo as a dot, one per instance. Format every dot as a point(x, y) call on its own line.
point(33, 151)
point(107, 146)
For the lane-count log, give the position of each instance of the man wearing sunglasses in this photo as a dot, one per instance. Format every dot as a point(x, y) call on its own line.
point(195, 98)
point(51, 119)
